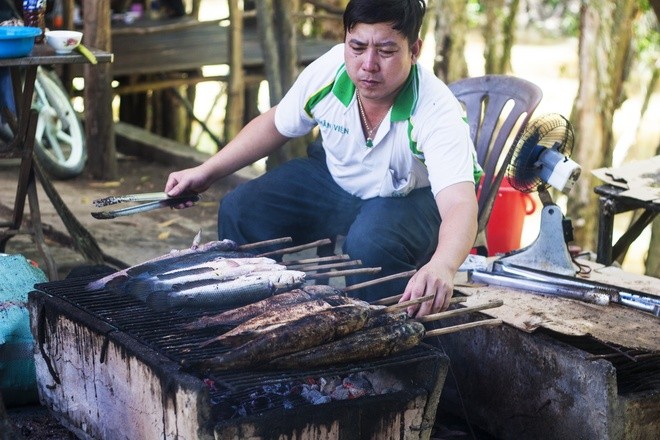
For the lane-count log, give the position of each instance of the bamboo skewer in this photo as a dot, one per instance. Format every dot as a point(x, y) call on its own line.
point(405, 304)
point(315, 260)
point(379, 280)
point(461, 311)
point(294, 249)
point(330, 266)
point(393, 299)
point(341, 273)
point(245, 247)
point(469, 325)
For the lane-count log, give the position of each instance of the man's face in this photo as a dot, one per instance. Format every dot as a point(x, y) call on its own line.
point(378, 59)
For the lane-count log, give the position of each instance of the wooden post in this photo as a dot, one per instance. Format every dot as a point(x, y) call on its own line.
point(236, 86)
point(99, 124)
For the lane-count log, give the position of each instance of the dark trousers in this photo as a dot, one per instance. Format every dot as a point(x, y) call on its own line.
point(299, 199)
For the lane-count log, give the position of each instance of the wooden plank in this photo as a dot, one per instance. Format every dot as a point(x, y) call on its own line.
point(172, 49)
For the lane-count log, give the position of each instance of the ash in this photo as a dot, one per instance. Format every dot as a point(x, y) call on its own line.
point(311, 390)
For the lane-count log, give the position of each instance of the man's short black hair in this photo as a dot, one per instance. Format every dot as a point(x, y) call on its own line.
point(405, 15)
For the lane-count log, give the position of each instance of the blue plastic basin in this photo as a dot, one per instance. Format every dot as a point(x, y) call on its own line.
point(17, 41)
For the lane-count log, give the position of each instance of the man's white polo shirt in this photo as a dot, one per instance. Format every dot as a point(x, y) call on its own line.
point(424, 140)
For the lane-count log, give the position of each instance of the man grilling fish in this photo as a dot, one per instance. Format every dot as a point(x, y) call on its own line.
point(393, 170)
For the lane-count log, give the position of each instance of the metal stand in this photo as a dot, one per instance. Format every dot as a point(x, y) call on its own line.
point(548, 252)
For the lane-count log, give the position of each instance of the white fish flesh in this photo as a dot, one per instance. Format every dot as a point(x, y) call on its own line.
point(213, 294)
point(218, 246)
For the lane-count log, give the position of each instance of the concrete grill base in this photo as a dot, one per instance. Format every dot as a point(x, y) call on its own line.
point(103, 384)
point(518, 385)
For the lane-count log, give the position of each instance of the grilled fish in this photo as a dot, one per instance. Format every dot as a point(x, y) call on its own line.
point(363, 345)
point(306, 332)
point(240, 291)
point(241, 314)
point(212, 246)
point(266, 322)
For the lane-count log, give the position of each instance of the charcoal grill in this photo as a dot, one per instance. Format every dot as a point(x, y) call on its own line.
point(108, 367)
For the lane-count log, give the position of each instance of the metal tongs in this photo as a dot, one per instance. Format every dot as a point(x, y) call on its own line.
point(153, 201)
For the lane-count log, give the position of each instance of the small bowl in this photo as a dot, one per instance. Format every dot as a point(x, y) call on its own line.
point(17, 41)
point(63, 41)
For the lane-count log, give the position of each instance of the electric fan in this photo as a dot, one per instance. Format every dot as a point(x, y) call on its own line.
point(539, 159)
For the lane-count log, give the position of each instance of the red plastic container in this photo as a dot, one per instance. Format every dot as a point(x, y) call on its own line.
point(504, 229)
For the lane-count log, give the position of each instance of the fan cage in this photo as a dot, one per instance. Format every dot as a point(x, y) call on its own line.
point(548, 131)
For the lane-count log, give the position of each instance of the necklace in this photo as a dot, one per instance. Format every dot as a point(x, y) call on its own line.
point(370, 131)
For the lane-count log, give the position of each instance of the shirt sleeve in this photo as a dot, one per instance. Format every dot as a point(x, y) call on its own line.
point(443, 136)
point(291, 118)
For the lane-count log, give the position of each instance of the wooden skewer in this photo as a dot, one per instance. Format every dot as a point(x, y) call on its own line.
point(315, 260)
point(405, 304)
point(469, 325)
point(379, 280)
point(394, 299)
point(330, 266)
point(458, 312)
point(341, 273)
point(293, 249)
point(245, 247)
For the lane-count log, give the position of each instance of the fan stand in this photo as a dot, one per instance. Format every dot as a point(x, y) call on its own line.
point(549, 251)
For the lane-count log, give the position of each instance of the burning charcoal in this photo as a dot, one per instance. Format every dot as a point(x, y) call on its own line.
point(314, 396)
point(280, 389)
point(358, 382)
point(330, 384)
point(340, 393)
point(383, 383)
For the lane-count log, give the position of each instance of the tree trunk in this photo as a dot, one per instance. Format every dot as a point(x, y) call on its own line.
point(499, 34)
point(99, 124)
point(451, 28)
point(236, 86)
point(605, 36)
point(280, 61)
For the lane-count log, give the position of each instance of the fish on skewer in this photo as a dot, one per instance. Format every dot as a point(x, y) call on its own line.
point(373, 343)
point(240, 291)
point(266, 322)
point(225, 269)
point(386, 334)
point(309, 331)
point(272, 319)
point(239, 315)
point(221, 246)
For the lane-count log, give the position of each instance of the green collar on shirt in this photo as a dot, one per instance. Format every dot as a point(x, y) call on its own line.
point(404, 104)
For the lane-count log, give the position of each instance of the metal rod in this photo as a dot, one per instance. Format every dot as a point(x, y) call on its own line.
point(535, 286)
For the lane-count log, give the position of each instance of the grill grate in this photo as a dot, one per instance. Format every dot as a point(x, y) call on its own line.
point(230, 391)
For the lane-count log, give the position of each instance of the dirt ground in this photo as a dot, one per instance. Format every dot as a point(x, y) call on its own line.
point(130, 239)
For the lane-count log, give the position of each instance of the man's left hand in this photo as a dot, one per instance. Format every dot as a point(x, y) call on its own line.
point(429, 281)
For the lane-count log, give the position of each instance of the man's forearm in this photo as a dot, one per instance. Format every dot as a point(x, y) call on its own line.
point(458, 229)
point(256, 140)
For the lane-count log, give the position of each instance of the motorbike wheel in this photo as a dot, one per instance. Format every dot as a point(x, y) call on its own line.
point(59, 142)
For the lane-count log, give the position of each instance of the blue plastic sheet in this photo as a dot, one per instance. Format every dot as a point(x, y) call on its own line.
point(18, 382)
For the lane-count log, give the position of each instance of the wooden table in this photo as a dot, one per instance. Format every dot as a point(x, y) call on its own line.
point(24, 74)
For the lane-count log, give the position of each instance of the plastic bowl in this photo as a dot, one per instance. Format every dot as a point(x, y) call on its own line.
point(17, 41)
point(63, 41)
